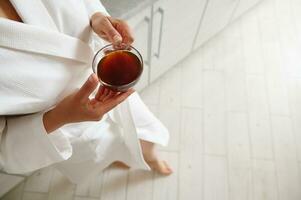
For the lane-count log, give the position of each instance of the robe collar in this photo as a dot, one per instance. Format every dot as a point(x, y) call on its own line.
point(35, 13)
point(40, 34)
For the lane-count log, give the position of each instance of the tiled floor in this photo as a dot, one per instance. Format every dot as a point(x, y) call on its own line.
point(234, 112)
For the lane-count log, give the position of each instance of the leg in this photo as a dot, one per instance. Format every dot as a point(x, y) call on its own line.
point(151, 157)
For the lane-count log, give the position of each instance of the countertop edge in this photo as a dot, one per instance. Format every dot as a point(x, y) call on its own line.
point(126, 12)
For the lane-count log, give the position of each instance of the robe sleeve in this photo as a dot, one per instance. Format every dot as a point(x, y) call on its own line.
point(25, 145)
point(94, 6)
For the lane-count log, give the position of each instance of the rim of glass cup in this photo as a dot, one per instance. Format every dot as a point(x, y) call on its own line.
point(95, 65)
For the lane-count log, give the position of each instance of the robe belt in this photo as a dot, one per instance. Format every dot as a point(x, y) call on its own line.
point(34, 39)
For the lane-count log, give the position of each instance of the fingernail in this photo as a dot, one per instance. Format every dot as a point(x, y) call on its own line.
point(92, 78)
point(117, 39)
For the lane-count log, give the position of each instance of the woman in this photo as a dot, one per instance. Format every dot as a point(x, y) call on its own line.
point(51, 111)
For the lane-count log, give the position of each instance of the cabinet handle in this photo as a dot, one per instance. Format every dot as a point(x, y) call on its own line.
point(147, 20)
point(161, 12)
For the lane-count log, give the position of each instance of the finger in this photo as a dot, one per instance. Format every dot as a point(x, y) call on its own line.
point(104, 92)
point(110, 95)
point(88, 87)
point(102, 98)
point(104, 107)
point(125, 31)
point(99, 93)
point(109, 105)
point(112, 34)
point(104, 36)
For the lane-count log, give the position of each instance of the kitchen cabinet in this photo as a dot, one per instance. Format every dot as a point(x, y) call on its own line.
point(167, 31)
point(174, 24)
point(141, 27)
point(242, 7)
point(216, 17)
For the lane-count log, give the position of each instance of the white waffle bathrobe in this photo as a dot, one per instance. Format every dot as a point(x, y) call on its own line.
point(41, 61)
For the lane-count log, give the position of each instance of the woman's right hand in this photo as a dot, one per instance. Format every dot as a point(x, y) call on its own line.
point(78, 107)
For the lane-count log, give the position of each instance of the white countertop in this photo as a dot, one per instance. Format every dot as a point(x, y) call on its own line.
point(126, 8)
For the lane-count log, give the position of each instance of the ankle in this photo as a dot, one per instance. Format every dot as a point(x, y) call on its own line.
point(149, 157)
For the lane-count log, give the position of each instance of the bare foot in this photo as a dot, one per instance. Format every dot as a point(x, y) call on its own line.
point(151, 157)
point(160, 166)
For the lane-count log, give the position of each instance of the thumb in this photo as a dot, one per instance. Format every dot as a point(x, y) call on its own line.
point(88, 87)
point(111, 32)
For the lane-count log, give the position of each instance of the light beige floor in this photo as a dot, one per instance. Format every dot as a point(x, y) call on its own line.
point(234, 113)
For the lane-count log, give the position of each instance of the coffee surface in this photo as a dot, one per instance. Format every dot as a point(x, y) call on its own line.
point(119, 68)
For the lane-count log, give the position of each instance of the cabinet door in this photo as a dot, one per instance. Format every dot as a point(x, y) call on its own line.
point(216, 17)
point(243, 6)
point(174, 26)
point(141, 27)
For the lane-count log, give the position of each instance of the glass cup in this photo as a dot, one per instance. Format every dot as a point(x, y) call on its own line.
point(108, 50)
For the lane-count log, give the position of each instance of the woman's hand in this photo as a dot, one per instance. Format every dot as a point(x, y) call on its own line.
point(113, 30)
point(78, 107)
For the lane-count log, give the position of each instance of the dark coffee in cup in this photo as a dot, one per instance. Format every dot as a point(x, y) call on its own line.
point(119, 68)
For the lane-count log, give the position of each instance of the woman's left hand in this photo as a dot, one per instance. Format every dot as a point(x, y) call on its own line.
point(113, 30)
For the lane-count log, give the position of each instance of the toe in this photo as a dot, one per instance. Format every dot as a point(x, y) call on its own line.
point(161, 167)
point(166, 170)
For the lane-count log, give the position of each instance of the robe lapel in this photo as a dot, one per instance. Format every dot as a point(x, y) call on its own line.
point(30, 38)
point(34, 12)
point(40, 34)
